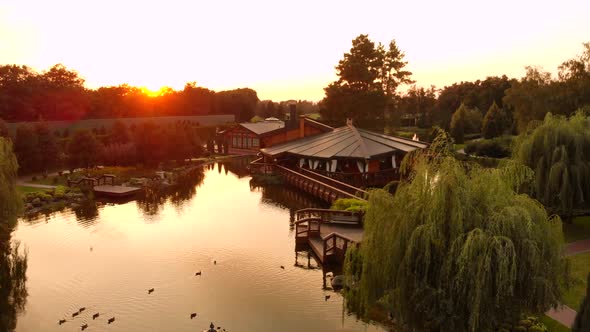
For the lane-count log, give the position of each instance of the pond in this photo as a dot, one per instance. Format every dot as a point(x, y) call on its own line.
point(238, 236)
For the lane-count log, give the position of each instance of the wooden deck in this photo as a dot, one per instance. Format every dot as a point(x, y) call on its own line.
point(115, 191)
point(318, 185)
point(328, 233)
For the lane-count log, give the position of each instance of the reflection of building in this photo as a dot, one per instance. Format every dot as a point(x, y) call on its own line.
point(249, 138)
point(355, 156)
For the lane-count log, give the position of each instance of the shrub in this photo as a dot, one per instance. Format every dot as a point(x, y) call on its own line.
point(349, 204)
point(495, 148)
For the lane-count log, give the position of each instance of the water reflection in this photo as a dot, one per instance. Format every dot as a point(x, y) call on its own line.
point(13, 288)
point(244, 230)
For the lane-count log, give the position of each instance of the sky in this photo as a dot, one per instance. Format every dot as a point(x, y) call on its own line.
point(285, 49)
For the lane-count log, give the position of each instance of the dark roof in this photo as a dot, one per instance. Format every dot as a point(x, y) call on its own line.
point(263, 126)
point(346, 142)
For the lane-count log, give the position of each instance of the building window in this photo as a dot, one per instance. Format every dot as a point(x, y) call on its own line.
point(235, 141)
point(255, 142)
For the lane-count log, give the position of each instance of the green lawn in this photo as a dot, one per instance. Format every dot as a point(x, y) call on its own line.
point(553, 325)
point(580, 267)
point(579, 229)
point(24, 189)
point(458, 147)
point(61, 180)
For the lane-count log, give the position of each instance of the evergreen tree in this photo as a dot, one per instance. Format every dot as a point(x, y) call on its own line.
point(369, 75)
point(458, 124)
point(456, 248)
point(83, 150)
point(495, 123)
point(25, 148)
point(47, 148)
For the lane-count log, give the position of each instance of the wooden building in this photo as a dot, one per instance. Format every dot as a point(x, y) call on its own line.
point(249, 138)
point(350, 155)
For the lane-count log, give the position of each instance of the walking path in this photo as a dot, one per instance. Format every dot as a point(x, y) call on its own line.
point(564, 314)
point(34, 185)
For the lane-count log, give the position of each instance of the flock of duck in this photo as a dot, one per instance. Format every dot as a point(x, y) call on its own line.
point(149, 291)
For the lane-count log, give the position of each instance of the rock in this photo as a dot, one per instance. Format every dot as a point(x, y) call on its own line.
point(36, 202)
point(28, 206)
point(338, 282)
point(74, 205)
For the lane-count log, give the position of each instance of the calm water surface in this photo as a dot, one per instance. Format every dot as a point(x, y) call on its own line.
point(107, 259)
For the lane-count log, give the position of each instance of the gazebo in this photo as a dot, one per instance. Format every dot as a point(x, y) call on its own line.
point(355, 156)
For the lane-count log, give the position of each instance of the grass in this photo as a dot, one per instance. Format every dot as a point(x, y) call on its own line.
point(458, 147)
point(25, 190)
point(314, 116)
point(553, 325)
point(580, 267)
point(61, 180)
point(579, 229)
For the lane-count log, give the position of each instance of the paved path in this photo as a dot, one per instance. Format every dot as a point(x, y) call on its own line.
point(564, 314)
point(577, 247)
point(34, 185)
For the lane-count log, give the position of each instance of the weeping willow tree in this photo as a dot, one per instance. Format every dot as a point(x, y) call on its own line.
point(10, 201)
point(456, 249)
point(558, 150)
point(13, 264)
point(582, 322)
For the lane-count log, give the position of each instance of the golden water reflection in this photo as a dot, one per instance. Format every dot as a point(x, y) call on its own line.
point(237, 234)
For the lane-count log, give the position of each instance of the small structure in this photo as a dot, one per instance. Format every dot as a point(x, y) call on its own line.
point(104, 186)
point(328, 233)
point(347, 155)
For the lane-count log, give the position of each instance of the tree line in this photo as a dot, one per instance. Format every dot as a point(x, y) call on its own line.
point(38, 149)
point(369, 76)
point(59, 94)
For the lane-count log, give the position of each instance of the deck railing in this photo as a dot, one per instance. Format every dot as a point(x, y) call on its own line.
point(313, 186)
point(324, 215)
point(335, 245)
point(363, 180)
point(91, 182)
point(333, 182)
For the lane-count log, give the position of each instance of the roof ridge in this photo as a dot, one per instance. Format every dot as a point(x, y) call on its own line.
point(410, 141)
point(361, 141)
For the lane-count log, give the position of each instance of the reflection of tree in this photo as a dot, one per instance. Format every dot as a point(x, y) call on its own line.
point(287, 198)
point(13, 277)
point(156, 195)
point(87, 211)
point(238, 166)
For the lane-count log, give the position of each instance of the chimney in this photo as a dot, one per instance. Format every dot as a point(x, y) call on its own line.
point(349, 122)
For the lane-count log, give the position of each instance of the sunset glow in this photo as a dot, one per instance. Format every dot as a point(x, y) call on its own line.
point(284, 51)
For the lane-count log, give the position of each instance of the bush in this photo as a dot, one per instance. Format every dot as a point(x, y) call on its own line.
point(496, 148)
point(60, 192)
point(349, 204)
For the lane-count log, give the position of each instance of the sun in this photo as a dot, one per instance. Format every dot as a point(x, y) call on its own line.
point(153, 92)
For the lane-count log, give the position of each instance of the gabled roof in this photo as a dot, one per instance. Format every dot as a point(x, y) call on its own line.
point(346, 142)
point(262, 127)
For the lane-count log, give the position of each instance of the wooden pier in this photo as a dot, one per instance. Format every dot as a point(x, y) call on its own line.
point(105, 186)
point(328, 233)
point(313, 183)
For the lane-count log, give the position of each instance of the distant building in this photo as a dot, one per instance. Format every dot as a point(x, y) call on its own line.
point(249, 138)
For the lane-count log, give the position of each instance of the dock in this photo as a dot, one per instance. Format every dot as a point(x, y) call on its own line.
point(115, 191)
point(105, 186)
point(328, 233)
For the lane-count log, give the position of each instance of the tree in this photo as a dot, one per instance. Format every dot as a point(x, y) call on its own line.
point(83, 150)
point(458, 124)
point(119, 133)
point(47, 149)
point(582, 322)
point(456, 249)
point(495, 123)
point(4, 129)
point(558, 152)
point(368, 78)
point(10, 202)
point(25, 148)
